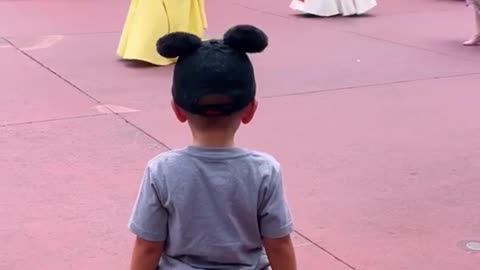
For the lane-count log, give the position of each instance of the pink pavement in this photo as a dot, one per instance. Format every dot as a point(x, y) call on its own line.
point(375, 120)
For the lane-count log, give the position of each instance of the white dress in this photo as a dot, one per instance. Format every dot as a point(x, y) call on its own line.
point(326, 8)
point(475, 4)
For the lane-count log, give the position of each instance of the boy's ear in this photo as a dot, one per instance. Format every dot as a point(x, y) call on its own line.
point(181, 116)
point(250, 112)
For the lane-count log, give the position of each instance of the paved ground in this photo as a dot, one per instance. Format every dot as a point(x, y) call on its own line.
point(375, 120)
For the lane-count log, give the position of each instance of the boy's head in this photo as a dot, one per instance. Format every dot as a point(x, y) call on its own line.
point(214, 82)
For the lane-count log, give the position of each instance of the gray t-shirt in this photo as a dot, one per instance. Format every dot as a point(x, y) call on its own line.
point(212, 207)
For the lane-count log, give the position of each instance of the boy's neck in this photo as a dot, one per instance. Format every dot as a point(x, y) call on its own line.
point(213, 139)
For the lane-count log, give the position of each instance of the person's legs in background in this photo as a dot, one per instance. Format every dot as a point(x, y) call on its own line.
point(475, 39)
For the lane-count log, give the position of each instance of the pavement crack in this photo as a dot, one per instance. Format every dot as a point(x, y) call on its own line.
point(14, 124)
point(327, 251)
point(334, 28)
point(52, 71)
point(410, 46)
point(97, 101)
point(354, 87)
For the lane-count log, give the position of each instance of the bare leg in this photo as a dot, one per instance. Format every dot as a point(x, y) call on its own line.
point(475, 39)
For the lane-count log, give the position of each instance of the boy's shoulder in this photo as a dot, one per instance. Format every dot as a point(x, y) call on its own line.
point(178, 157)
point(266, 158)
point(167, 157)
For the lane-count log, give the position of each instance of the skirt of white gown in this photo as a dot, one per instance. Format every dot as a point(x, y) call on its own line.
point(333, 7)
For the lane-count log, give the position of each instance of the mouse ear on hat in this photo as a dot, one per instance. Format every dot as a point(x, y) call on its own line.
point(246, 38)
point(178, 44)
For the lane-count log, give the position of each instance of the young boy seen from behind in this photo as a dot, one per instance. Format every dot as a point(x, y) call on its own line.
point(213, 205)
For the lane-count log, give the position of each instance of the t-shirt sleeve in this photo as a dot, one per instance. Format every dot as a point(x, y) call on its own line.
point(149, 218)
point(275, 220)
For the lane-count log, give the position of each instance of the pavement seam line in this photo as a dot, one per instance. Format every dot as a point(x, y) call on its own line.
point(339, 29)
point(85, 93)
point(335, 29)
point(15, 124)
point(264, 97)
point(164, 145)
point(52, 71)
point(71, 34)
point(410, 46)
point(347, 88)
point(327, 251)
point(331, 17)
point(389, 15)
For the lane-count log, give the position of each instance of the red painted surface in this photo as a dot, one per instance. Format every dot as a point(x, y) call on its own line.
point(375, 120)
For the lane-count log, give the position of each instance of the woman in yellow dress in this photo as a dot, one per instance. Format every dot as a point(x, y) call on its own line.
point(148, 20)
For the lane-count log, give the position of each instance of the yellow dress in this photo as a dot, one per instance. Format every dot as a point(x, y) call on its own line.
point(148, 20)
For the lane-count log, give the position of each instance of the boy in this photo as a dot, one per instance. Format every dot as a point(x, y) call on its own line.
point(212, 205)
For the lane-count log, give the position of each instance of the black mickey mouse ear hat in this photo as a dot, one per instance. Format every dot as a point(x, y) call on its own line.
point(213, 77)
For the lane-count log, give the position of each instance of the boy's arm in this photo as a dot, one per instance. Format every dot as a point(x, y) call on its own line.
point(149, 222)
point(276, 223)
point(280, 253)
point(146, 254)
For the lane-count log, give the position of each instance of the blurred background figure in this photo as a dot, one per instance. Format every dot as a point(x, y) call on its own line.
point(475, 39)
point(148, 20)
point(327, 8)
